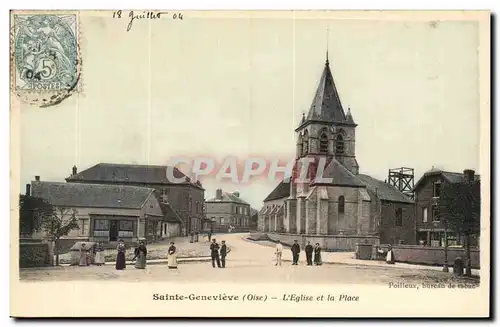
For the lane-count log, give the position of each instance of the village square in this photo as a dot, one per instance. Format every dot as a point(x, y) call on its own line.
point(131, 222)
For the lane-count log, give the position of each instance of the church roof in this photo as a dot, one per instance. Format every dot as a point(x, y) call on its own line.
point(281, 191)
point(125, 173)
point(383, 190)
point(326, 105)
point(340, 175)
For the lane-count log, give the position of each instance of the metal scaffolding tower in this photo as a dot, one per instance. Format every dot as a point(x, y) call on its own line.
point(403, 179)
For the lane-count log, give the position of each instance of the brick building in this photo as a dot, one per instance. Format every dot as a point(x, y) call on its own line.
point(429, 221)
point(228, 209)
point(353, 207)
point(181, 201)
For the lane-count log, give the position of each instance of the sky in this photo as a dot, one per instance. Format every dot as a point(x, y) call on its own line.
point(220, 85)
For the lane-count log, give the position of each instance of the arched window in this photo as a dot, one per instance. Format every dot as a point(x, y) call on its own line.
point(341, 204)
point(339, 144)
point(299, 145)
point(305, 143)
point(399, 217)
point(323, 142)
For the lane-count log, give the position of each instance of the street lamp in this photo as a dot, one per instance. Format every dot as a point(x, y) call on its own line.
point(445, 266)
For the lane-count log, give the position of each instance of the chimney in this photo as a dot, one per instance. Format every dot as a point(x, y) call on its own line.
point(74, 171)
point(28, 189)
point(37, 178)
point(469, 175)
point(219, 194)
point(237, 194)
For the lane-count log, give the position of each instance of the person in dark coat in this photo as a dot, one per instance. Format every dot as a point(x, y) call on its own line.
point(390, 256)
point(120, 257)
point(317, 255)
point(309, 253)
point(224, 250)
point(295, 252)
point(214, 253)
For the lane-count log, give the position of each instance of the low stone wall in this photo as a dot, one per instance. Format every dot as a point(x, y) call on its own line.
point(427, 255)
point(327, 242)
point(35, 255)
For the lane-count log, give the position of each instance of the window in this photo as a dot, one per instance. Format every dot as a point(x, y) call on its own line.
point(339, 144)
point(84, 226)
point(435, 213)
point(101, 224)
point(165, 229)
point(305, 143)
point(323, 143)
point(437, 189)
point(128, 225)
point(424, 215)
point(221, 220)
point(399, 218)
point(341, 204)
point(164, 195)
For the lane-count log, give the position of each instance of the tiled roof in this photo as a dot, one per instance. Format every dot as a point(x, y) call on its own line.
point(170, 214)
point(282, 190)
point(91, 195)
point(123, 173)
point(383, 190)
point(340, 175)
point(326, 104)
point(227, 197)
point(450, 177)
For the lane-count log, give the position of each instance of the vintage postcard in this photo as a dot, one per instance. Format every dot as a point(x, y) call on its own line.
point(250, 163)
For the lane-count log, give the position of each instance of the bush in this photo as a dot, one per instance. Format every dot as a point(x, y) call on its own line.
point(33, 255)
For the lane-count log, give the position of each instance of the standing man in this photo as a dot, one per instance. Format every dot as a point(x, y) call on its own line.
point(279, 252)
point(309, 253)
point(295, 253)
point(214, 252)
point(224, 250)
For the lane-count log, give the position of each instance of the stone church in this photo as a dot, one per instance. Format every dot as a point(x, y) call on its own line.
point(350, 207)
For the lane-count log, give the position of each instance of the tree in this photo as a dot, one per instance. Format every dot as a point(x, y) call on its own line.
point(460, 205)
point(59, 224)
point(32, 211)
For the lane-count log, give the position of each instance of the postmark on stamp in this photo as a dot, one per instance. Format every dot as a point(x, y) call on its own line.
point(45, 57)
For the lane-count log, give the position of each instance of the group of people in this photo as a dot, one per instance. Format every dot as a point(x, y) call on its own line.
point(140, 254)
point(219, 253)
point(309, 250)
point(85, 259)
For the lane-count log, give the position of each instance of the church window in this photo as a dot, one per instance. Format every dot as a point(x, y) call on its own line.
point(339, 144)
point(305, 143)
point(323, 143)
point(341, 204)
point(399, 217)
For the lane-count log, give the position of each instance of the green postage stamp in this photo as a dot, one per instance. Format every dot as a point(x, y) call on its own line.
point(45, 54)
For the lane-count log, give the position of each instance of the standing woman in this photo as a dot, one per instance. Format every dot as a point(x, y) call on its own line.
point(120, 257)
point(140, 254)
point(84, 260)
point(317, 255)
point(99, 254)
point(172, 256)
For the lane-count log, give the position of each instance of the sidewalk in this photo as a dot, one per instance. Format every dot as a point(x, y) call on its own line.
point(157, 261)
point(348, 258)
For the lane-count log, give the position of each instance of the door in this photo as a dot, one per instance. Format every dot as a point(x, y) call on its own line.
point(113, 230)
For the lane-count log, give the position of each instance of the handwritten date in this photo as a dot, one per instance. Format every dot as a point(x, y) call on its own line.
point(150, 15)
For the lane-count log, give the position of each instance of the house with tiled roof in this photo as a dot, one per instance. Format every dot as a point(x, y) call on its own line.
point(183, 196)
point(430, 224)
point(341, 207)
point(228, 210)
point(104, 212)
